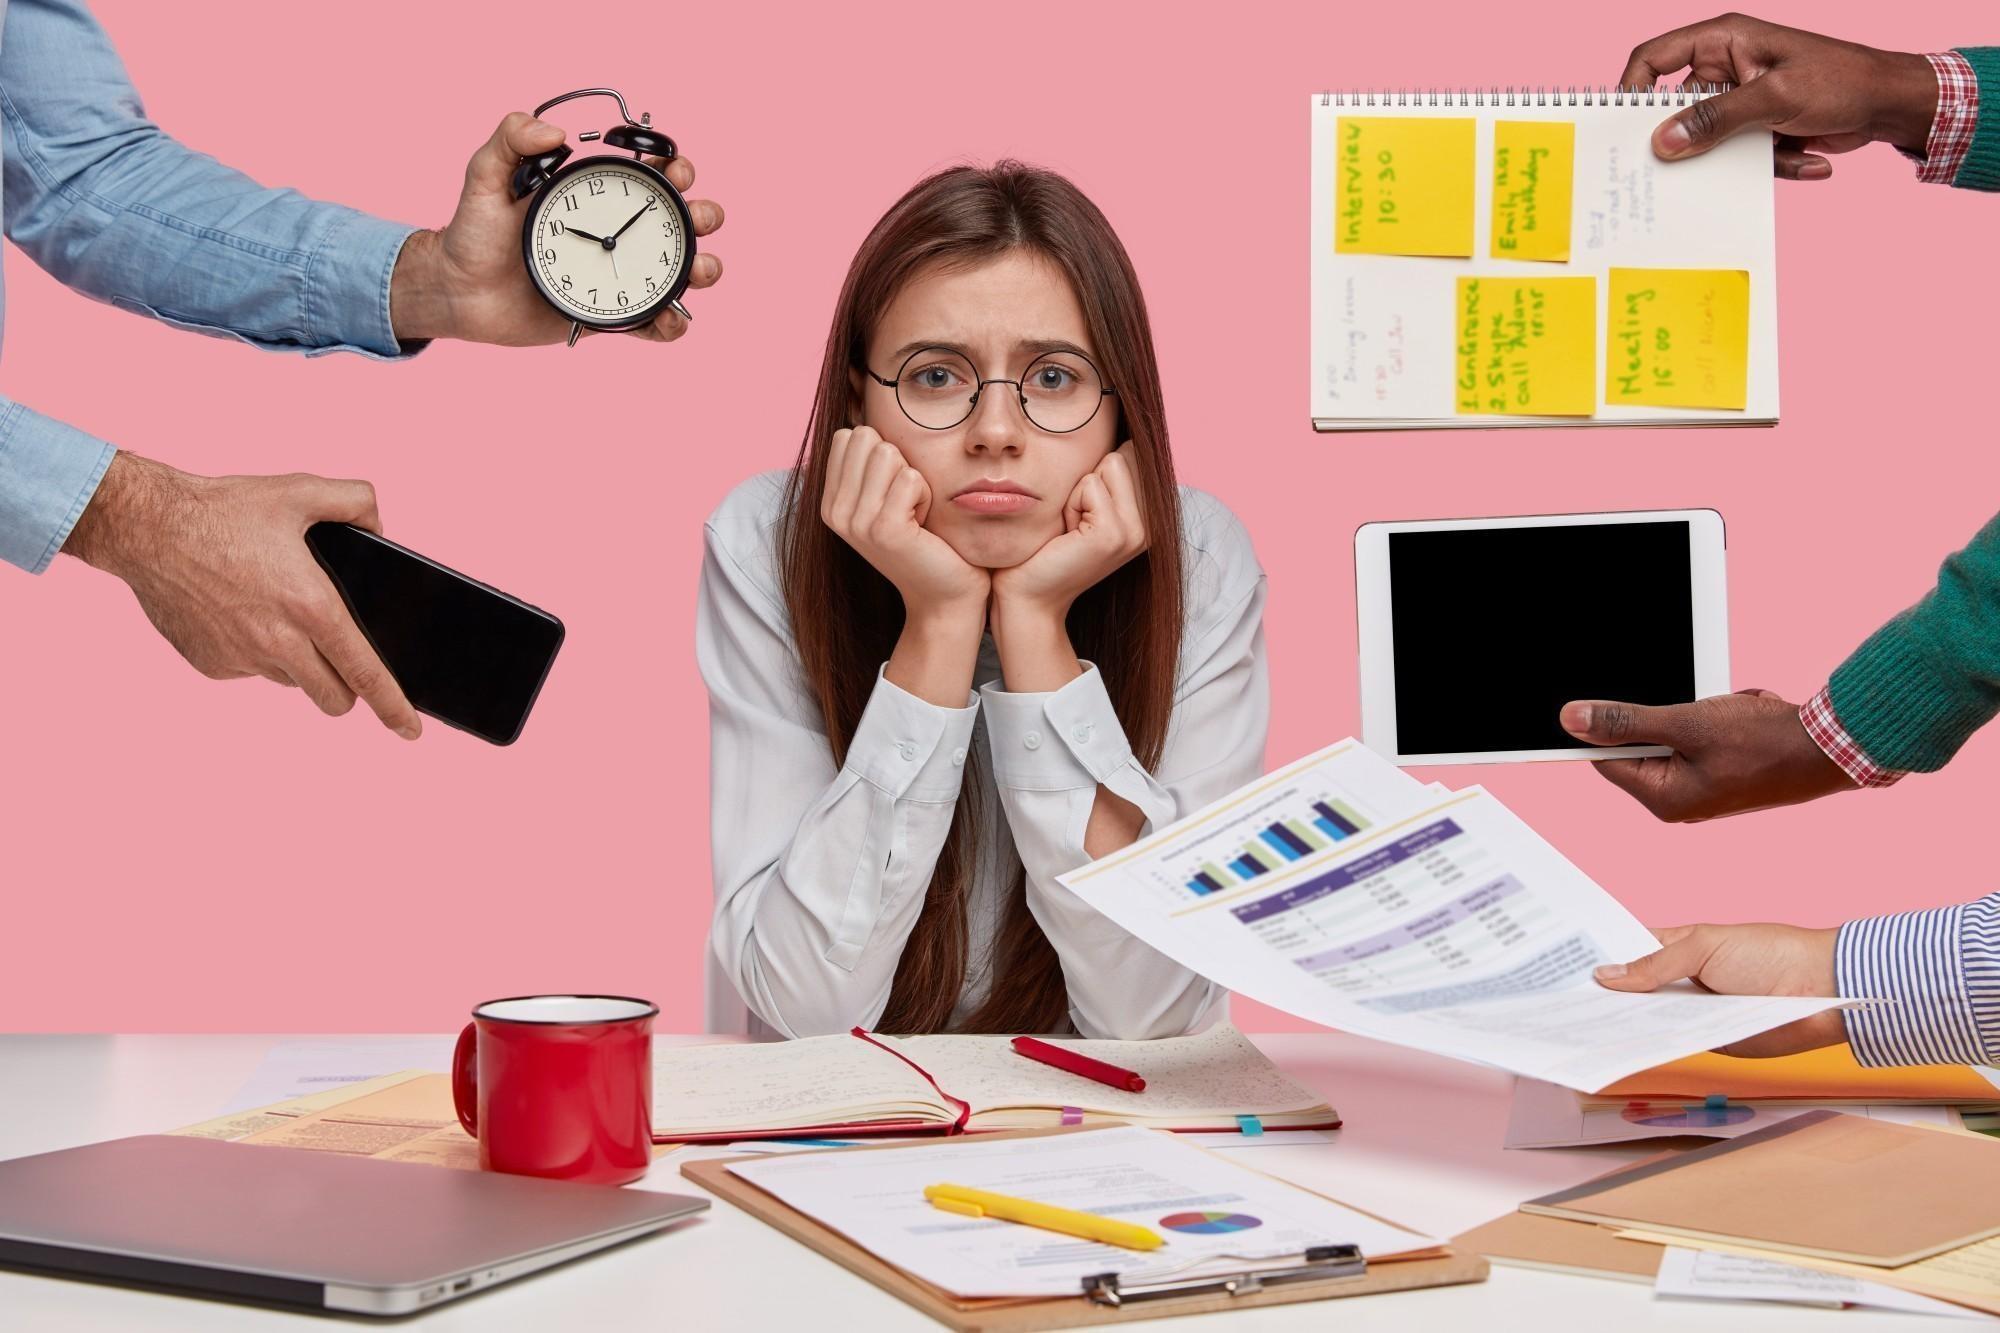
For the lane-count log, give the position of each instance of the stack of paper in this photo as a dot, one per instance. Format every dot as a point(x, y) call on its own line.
point(1827, 1208)
point(1340, 889)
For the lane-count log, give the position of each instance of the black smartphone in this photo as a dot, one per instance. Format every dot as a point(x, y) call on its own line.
point(468, 655)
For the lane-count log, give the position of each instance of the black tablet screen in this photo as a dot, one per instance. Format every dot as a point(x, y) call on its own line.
point(1496, 629)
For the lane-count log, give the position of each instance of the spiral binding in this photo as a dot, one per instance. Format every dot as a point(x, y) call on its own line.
point(1679, 95)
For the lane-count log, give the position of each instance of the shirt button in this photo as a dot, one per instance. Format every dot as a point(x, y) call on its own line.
point(1082, 734)
point(908, 749)
point(1033, 740)
point(958, 755)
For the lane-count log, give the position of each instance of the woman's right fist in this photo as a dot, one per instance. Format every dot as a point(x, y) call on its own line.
point(878, 504)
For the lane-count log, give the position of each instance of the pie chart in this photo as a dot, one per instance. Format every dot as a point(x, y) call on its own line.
point(1210, 1224)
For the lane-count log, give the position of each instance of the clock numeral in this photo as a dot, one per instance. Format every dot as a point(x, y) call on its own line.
point(650, 285)
point(666, 258)
point(565, 282)
point(626, 186)
point(555, 227)
point(548, 256)
point(623, 299)
point(569, 202)
point(596, 188)
point(592, 293)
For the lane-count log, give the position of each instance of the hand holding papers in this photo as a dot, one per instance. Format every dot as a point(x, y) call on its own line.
point(1432, 919)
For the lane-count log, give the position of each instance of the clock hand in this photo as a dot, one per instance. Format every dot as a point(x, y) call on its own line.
point(629, 221)
point(578, 231)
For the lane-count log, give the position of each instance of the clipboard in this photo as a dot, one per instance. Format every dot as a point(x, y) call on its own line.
point(1031, 1314)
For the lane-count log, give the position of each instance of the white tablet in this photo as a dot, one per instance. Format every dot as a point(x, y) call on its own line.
point(1475, 632)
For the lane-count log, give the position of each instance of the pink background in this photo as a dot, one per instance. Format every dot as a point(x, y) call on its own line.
point(177, 854)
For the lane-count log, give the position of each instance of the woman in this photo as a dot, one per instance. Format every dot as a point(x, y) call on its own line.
point(975, 638)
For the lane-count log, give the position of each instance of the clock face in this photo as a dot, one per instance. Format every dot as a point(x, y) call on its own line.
point(608, 242)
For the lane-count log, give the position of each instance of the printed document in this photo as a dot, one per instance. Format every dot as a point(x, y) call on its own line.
point(1435, 920)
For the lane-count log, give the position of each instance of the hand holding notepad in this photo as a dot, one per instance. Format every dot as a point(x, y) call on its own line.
point(1521, 259)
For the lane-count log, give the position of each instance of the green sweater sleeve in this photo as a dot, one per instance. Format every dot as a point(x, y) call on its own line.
point(1928, 679)
point(1981, 168)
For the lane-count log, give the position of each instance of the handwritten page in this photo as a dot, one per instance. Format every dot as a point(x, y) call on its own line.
point(1404, 185)
point(1678, 337)
point(1210, 1075)
point(1527, 346)
point(835, 1079)
point(1534, 162)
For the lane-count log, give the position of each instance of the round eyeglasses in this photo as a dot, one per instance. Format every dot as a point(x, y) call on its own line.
point(938, 388)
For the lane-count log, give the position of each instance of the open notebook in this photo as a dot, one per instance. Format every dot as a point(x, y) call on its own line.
point(867, 1083)
point(1522, 259)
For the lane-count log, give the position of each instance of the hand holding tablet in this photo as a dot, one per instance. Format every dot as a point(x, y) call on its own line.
point(1476, 632)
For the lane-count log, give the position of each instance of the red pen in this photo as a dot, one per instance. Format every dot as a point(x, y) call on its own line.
point(1065, 1059)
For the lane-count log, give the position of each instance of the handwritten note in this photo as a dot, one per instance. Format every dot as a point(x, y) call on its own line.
point(1527, 346)
point(1403, 185)
point(1534, 162)
point(1678, 337)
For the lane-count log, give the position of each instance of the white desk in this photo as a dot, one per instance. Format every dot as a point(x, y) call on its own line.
point(1422, 1146)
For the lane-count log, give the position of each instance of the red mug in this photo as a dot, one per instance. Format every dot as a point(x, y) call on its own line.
point(559, 1086)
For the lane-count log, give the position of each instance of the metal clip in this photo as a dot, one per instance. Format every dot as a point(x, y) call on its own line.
point(1322, 1263)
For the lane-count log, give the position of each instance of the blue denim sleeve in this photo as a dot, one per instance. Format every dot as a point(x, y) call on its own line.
point(96, 194)
point(48, 472)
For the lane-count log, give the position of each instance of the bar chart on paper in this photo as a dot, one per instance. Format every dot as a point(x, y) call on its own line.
point(1322, 820)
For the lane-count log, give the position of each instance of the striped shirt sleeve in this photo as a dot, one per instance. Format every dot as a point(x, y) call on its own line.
point(1941, 971)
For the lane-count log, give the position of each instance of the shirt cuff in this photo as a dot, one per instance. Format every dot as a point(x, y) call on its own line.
point(1058, 740)
point(347, 288)
point(1823, 725)
point(910, 747)
point(48, 472)
point(1940, 968)
point(1952, 126)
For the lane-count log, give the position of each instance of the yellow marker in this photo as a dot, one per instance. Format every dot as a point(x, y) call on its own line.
point(984, 1203)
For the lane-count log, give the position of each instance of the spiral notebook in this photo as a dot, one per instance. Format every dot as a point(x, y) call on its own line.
point(1520, 258)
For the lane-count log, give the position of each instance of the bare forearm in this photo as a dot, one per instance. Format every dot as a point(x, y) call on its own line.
point(136, 499)
point(936, 654)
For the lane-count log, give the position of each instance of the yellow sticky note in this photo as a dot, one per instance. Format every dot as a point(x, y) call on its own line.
point(1678, 337)
point(1403, 185)
point(1527, 346)
point(1533, 163)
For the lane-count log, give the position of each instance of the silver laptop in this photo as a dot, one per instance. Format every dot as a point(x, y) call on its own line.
point(312, 1229)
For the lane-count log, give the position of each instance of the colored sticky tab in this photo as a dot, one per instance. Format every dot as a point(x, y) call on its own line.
point(1715, 1101)
point(1403, 185)
point(1072, 1115)
point(1533, 163)
point(1527, 346)
point(1678, 337)
point(1249, 1124)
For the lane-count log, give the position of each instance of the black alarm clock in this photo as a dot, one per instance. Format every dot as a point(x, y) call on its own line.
point(608, 240)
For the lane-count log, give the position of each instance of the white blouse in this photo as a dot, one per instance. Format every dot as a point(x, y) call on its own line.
point(820, 871)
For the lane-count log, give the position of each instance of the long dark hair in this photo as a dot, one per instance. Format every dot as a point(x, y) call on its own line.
point(846, 616)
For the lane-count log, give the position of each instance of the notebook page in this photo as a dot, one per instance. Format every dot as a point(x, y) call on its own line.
point(1210, 1075)
point(1386, 327)
point(827, 1080)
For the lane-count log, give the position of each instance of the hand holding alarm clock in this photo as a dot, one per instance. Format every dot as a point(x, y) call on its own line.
point(584, 216)
point(483, 278)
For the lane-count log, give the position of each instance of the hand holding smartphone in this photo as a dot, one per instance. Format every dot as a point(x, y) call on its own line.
point(468, 655)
